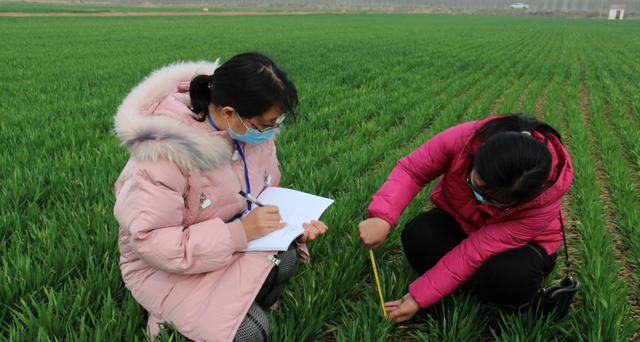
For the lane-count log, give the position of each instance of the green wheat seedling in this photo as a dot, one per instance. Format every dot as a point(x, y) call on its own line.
point(617, 154)
point(363, 321)
point(373, 88)
point(527, 326)
point(460, 317)
point(604, 294)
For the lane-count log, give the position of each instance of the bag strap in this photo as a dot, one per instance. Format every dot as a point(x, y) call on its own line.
point(566, 250)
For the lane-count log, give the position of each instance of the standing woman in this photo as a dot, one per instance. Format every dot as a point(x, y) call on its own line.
point(198, 134)
point(498, 213)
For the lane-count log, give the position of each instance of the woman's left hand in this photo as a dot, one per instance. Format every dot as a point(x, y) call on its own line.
point(314, 229)
point(402, 309)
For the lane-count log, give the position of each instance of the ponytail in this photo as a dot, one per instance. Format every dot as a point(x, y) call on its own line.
point(200, 92)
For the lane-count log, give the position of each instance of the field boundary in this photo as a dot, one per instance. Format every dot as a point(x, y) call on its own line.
point(135, 14)
point(285, 8)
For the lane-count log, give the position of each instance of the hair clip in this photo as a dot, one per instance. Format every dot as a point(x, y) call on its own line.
point(527, 133)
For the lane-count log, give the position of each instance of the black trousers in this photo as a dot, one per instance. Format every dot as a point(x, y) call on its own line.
point(510, 278)
point(256, 326)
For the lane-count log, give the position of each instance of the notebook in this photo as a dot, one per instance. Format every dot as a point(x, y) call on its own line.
point(296, 208)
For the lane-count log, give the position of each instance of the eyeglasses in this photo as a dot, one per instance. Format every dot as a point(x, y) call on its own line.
point(474, 187)
point(279, 121)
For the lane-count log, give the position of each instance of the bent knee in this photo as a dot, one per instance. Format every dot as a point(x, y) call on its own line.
point(254, 327)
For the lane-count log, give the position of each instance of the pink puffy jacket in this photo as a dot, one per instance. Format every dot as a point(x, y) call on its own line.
point(175, 200)
point(490, 230)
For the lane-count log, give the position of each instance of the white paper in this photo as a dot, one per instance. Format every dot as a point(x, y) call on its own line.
point(296, 208)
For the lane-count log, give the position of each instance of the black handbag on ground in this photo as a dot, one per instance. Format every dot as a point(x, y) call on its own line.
point(556, 300)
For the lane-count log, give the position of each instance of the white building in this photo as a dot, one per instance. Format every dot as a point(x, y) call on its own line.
point(616, 11)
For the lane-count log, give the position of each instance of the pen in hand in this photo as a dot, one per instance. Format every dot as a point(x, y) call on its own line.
point(250, 198)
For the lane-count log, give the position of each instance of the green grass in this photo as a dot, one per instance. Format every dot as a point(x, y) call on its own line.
point(373, 87)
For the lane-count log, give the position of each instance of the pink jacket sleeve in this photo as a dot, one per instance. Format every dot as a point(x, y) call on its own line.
point(461, 263)
point(149, 207)
point(413, 172)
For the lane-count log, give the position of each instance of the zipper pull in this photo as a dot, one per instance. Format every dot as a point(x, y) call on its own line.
point(274, 260)
point(204, 203)
point(269, 257)
point(235, 155)
point(267, 178)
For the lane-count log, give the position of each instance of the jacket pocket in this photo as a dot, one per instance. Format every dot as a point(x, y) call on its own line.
point(204, 203)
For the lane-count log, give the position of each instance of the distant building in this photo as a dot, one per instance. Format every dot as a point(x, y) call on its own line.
point(616, 11)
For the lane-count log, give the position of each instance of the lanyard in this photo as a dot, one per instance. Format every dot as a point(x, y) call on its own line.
point(240, 150)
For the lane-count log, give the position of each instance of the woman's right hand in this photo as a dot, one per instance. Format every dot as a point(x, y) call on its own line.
point(261, 221)
point(373, 232)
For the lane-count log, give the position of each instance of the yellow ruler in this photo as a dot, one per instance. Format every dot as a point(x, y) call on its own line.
point(375, 272)
point(373, 262)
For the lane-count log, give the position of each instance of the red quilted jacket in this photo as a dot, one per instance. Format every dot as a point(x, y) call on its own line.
point(491, 231)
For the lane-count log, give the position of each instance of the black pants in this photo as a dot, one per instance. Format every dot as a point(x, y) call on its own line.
point(511, 278)
point(278, 277)
point(256, 326)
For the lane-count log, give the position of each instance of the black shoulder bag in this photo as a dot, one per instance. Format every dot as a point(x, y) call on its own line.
point(556, 300)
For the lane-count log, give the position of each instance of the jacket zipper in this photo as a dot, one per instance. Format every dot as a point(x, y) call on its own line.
point(202, 206)
point(271, 258)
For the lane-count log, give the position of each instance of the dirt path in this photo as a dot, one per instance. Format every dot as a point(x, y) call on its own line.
point(369, 9)
point(119, 14)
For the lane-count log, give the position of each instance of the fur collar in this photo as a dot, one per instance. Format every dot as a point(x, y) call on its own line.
point(151, 137)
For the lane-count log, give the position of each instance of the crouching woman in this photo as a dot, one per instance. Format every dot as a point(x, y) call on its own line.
point(497, 220)
point(199, 133)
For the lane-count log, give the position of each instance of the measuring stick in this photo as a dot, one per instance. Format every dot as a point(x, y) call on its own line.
point(375, 272)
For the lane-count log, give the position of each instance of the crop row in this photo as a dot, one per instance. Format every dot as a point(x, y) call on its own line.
point(393, 285)
point(618, 144)
point(372, 88)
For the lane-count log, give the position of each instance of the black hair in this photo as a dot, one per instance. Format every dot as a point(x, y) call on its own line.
point(250, 82)
point(512, 164)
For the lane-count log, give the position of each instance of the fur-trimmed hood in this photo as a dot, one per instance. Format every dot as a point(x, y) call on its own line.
point(150, 137)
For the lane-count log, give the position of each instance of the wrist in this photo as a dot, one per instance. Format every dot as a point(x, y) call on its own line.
point(383, 216)
point(414, 293)
point(247, 231)
point(382, 223)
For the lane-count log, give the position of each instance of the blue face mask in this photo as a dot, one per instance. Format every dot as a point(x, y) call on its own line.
point(481, 199)
point(252, 136)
